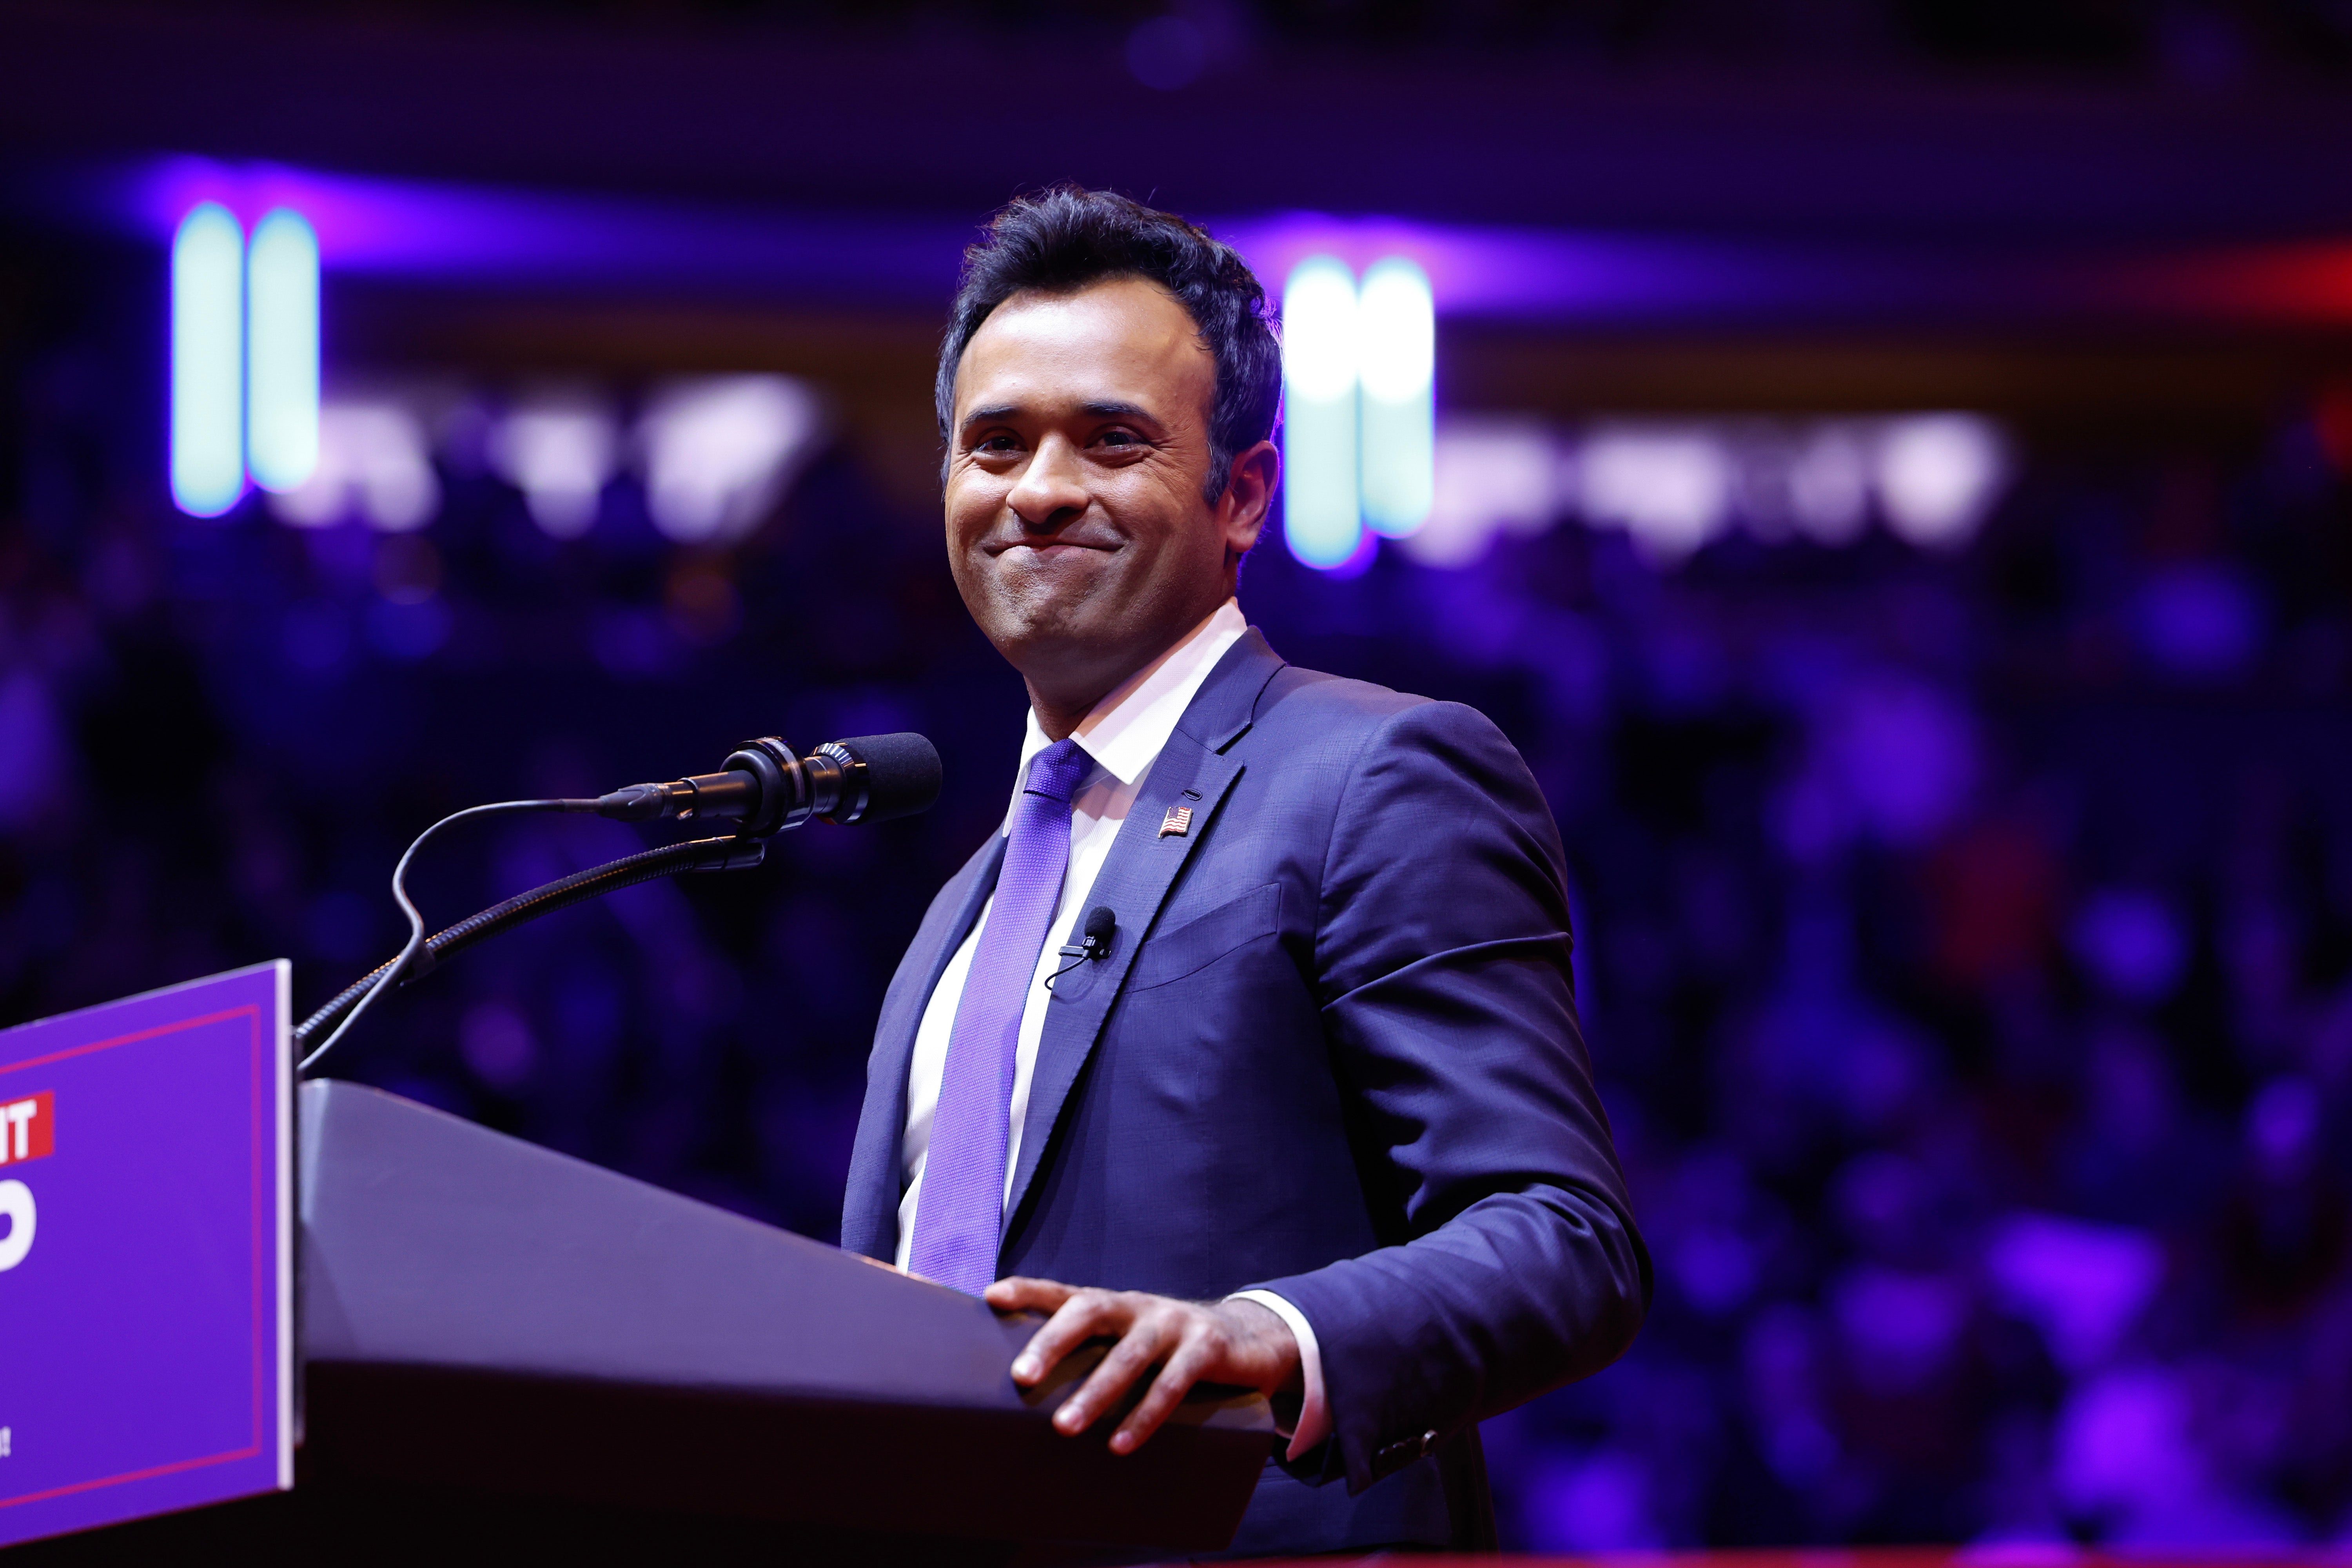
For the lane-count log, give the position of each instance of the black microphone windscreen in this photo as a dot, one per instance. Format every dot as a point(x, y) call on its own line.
point(902, 773)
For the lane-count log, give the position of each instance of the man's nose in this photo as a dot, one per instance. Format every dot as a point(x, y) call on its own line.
point(1051, 493)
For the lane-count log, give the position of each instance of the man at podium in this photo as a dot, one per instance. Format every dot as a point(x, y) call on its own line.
point(1249, 1042)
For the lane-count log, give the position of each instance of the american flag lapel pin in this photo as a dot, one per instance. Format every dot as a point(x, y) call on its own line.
point(1177, 823)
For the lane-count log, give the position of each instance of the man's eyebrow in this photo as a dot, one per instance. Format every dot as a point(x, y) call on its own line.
point(1119, 411)
point(1103, 409)
point(993, 412)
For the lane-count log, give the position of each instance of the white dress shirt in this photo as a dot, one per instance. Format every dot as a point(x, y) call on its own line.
point(1122, 737)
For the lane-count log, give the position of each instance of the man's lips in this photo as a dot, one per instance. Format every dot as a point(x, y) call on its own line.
point(1048, 548)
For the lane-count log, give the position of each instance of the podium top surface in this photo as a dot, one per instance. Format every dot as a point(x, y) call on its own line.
point(430, 1241)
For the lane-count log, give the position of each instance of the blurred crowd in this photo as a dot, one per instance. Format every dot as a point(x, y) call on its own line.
point(1965, 950)
point(1965, 934)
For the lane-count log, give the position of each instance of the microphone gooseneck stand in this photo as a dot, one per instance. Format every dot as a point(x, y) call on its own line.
point(667, 860)
point(764, 786)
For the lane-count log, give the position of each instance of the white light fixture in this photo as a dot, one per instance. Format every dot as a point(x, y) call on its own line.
point(1322, 511)
point(1398, 324)
point(558, 451)
point(1492, 476)
point(282, 352)
point(1676, 485)
point(1938, 475)
point(1669, 486)
point(208, 457)
point(1829, 484)
point(719, 453)
point(375, 460)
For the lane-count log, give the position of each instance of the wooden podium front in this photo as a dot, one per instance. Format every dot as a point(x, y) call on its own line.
point(510, 1353)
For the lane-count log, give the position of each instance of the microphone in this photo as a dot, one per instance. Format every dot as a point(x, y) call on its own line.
point(764, 785)
point(767, 787)
point(1101, 925)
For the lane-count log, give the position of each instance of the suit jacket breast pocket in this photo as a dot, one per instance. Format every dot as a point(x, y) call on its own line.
point(1191, 947)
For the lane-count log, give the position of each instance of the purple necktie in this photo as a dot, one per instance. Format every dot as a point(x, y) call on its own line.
point(960, 1218)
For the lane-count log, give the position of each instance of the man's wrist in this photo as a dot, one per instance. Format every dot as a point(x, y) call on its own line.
point(1253, 1319)
point(1308, 1422)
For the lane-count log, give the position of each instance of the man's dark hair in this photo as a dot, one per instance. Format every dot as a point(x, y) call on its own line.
point(1062, 240)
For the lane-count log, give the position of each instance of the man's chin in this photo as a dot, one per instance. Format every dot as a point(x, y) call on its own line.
point(1053, 639)
point(1029, 607)
point(1058, 575)
point(1058, 643)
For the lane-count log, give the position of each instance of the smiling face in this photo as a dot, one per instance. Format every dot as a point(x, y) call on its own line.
point(1079, 455)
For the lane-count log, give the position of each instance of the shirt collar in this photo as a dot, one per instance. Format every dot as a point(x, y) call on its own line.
point(1125, 731)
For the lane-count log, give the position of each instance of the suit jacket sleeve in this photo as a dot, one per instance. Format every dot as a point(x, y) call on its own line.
point(1443, 961)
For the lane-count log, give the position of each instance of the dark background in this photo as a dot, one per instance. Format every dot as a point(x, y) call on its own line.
point(1965, 937)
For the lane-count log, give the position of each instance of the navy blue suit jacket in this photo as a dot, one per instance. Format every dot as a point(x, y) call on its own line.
point(1334, 1053)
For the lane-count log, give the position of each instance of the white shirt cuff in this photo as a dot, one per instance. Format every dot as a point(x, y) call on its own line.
point(1314, 1414)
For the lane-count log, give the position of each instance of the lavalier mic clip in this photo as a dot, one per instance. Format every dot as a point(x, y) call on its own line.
point(1094, 941)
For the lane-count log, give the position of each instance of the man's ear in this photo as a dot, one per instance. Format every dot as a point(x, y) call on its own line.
point(1249, 496)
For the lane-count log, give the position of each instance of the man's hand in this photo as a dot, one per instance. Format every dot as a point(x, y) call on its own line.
point(1237, 1342)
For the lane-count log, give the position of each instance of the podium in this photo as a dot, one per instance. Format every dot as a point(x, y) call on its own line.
point(508, 1353)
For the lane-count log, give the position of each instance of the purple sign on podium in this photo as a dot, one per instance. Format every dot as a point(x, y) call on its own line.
point(146, 1255)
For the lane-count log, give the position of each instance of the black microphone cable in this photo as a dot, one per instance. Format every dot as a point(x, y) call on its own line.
point(765, 788)
point(392, 972)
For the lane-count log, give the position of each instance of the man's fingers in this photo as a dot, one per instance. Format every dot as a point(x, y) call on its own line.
point(1167, 1392)
point(1017, 1294)
point(1190, 1343)
point(1144, 1342)
point(1082, 1315)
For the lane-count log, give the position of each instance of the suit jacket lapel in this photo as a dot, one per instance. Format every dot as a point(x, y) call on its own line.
point(870, 1214)
point(1191, 770)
